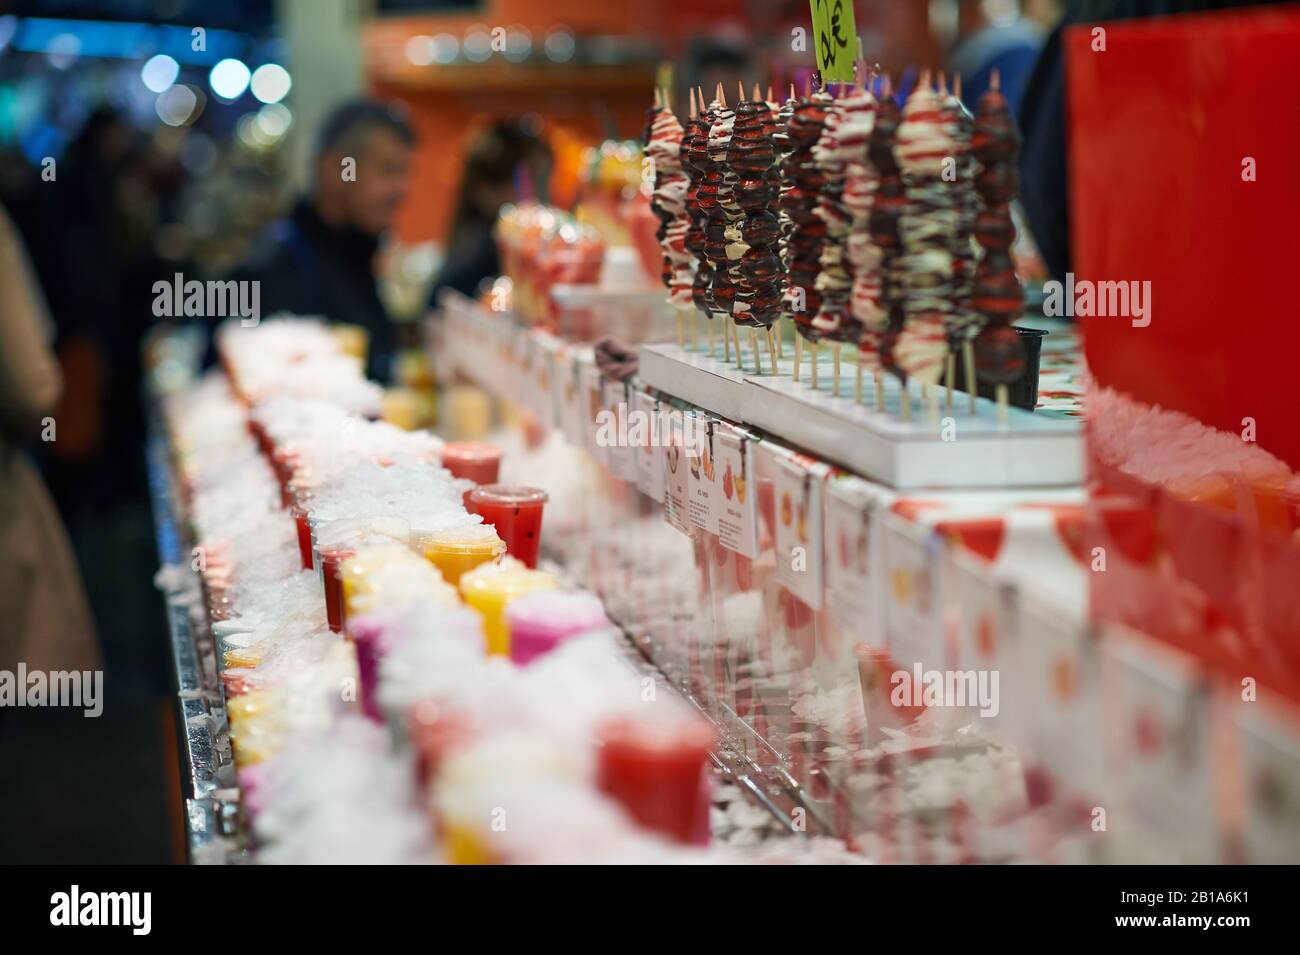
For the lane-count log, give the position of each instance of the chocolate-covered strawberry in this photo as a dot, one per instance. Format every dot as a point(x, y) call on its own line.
point(926, 229)
point(799, 202)
point(842, 146)
point(751, 158)
point(664, 143)
point(963, 321)
point(700, 198)
point(996, 295)
point(887, 208)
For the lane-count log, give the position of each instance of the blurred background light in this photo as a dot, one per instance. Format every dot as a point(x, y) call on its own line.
point(159, 72)
point(229, 78)
point(560, 46)
point(178, 105)
point(271, 83)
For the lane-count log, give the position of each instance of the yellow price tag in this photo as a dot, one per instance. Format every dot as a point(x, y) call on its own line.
point(836, 37)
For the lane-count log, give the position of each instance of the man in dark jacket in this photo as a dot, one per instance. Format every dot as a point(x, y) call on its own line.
point(320, 260)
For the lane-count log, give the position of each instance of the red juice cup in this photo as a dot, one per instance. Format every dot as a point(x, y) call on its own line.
point(476, 461)
point(515, 512)
point(657, 771)
point(337, 541)
point(301, 519)
point(330, 560)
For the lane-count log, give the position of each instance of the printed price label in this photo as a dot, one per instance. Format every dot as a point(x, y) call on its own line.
point(702, 476)
point(853, 568)
point(675, 471)
point(649, 454)
point(797, 491)
point(569, 398)
point(615, 434)
point(835, 36)
point(737, 515)
point(592, 398)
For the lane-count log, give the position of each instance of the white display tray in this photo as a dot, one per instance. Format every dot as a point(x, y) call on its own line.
point(1028, 451)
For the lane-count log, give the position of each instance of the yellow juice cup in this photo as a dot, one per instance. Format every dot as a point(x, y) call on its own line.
point(354, 340)
point(242, 657)
point(456, 552)
point(490, 587)
point(464, 847)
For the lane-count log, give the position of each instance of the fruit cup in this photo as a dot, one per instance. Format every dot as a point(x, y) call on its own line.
point(540, 622)
point(336, 541)
point(657, 771)
point(460, 549)
point(490, 587)
point(515, 512)
point(476, 461)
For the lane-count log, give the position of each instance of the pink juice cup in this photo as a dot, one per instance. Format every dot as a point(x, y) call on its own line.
point(540, 622)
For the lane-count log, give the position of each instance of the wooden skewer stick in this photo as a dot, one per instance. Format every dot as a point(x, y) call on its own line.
point(692, 113)
point(694, 344)
point(659, 102)
point(771, 349)
point(968, 358)
point(798, 354)
point(780, 339)
point(1004, 411)
point(879, 375)
point(726, 341)
point(857, 382)
point(681, 329)
point(813, 346)
point(907, 402)
point(835, 375)
point(758, 355)
point(721, 97)
point(735, 331)
point(712, 341)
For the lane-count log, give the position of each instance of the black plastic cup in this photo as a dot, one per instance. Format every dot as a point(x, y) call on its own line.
point(1022, 393)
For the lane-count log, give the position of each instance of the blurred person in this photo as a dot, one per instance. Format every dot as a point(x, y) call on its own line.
point(320, 260)
point(504, 164)
point(46, 618)
point(1044, 191)
point(717, 62)
point(1008, 42)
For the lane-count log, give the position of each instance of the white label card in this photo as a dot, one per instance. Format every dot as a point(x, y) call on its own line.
point(675, 471)
point(648, 451)
point(737, 512)
point(797, 489)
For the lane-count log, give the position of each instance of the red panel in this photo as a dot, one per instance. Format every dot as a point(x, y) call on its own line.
point(1159, 124)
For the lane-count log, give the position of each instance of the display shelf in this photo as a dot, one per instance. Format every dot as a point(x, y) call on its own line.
point(208, 776)
point(938, 448)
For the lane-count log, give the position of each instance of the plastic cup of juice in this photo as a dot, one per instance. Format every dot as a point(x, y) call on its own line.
point(490, 587)
point(656, 770)
point(515, 512)
point(457, 550)
point(476, 461)
point(338, 540)
point(540, 622)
